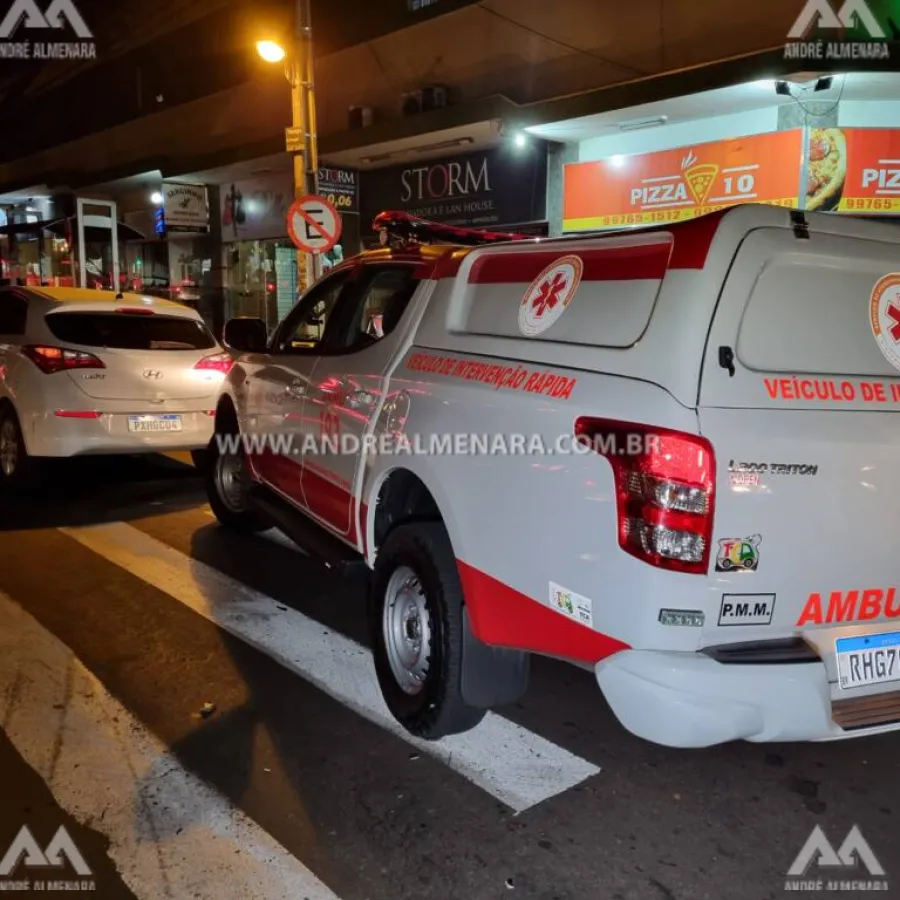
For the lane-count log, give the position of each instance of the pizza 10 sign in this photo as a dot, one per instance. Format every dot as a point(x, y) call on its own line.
point(313, 224)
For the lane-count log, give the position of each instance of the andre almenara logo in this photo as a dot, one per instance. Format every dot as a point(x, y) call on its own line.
point(843, 30)
point(27, 31)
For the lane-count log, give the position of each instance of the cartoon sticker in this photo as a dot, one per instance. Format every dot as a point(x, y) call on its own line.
point(884, 317)
point(572, 605)
point(747, 609)
point(738, 554)
point(549, 294)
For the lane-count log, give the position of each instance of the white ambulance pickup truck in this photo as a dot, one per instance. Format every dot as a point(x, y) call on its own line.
point(670, 456)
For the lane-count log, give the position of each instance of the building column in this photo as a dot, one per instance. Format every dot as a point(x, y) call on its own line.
point(558, 155)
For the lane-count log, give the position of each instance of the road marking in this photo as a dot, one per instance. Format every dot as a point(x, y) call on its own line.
point(171, 835)
point(513, 764)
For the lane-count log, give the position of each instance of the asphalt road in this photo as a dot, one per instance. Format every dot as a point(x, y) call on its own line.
point(195, 708)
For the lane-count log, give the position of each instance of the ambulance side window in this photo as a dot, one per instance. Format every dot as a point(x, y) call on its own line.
point(382, 298)
point(310, 324)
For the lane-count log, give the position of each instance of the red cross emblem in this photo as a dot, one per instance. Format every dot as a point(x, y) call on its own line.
point(550, 289)
point(893, 312)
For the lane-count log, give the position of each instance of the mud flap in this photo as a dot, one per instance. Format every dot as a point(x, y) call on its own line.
point(491, 676)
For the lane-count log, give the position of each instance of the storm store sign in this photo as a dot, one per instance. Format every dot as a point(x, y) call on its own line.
point(480, 189)
point(445, 180)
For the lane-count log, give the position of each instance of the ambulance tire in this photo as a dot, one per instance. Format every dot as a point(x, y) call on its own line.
point(437, 709)
point(226, 480)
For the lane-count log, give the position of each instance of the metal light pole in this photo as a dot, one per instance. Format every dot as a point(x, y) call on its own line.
point(303, 114)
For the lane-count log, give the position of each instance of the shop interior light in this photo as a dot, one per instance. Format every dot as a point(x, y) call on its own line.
point(271, 51)
point(519, 139)
point(618, 161)
point(156, 198)
point(650, 122)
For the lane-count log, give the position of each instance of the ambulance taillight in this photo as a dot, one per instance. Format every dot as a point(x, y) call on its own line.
point(665, 491)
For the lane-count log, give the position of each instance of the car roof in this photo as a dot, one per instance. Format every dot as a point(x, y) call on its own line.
point(97, 300)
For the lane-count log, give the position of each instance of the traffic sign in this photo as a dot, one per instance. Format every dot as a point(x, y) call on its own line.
point(313, 224)
point(293, 139)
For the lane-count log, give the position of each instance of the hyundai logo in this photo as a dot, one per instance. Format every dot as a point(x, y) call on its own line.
point(152, 373)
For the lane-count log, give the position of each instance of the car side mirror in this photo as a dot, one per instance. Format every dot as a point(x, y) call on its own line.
point(246, 335)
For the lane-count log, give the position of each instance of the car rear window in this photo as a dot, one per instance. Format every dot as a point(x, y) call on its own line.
point(123, 331)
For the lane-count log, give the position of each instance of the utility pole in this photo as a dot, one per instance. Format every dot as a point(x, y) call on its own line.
point(303, 114)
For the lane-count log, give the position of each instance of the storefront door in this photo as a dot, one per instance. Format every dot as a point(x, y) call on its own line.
point(98, 244)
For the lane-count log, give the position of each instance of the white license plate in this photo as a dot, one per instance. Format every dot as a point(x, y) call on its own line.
point(154, 424)
point(869, 659)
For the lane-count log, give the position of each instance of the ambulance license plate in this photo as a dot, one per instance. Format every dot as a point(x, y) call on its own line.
point(868, 659)
point(154, 424)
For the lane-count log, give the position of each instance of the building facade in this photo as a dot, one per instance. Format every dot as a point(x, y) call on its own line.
point(509, 115)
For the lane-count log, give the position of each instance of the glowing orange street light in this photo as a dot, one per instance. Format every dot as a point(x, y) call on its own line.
point(271, 51)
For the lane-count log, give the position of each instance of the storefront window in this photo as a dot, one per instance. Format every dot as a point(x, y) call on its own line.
point(146, 268)
point(33, 255)
point(257, 272)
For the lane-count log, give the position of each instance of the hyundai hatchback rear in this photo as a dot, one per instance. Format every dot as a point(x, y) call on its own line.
point(86, 372)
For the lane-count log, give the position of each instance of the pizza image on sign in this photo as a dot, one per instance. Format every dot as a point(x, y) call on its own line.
point(884, 316)
point(700, 178)
point(549, 295)
point(827, 175)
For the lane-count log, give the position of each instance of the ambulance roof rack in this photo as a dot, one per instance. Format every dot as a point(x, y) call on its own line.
point(399, 229)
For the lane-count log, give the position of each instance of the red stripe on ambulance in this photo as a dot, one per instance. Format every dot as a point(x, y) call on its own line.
point(640, 261)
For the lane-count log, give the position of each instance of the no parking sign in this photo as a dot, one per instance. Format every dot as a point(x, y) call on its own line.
point(313, 224)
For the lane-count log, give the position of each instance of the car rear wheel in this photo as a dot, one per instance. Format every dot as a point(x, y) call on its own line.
point(17, 468)
point(416, 619)
point(227, 488)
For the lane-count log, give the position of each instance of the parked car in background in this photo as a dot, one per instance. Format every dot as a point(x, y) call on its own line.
point(91, 372)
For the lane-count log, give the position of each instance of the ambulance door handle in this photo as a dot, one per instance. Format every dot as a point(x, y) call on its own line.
point(726, 359)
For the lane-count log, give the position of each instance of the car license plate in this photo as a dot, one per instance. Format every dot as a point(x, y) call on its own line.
point(869, 659)
point(154, 424)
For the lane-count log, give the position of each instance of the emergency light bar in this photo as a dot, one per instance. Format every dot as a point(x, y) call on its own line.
point(401, 229)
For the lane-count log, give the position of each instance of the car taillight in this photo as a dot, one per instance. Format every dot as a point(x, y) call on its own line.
point(78, 414)
point(218, 362)
point(60, 359)
point(665, 491)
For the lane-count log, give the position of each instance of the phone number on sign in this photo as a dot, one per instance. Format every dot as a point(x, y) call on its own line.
point(876, 204)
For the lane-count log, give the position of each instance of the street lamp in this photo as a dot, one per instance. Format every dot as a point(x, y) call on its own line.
point(302, 141)
point(271, 51)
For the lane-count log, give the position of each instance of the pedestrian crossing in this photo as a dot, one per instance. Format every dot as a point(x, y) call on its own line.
point(513, 764)
point(170, 835)
point(49, 700)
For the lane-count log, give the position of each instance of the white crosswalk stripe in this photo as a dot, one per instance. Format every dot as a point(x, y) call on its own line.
point(170, 834)
point(511, 763)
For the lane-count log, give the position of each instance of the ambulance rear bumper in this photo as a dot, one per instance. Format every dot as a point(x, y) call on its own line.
point(692, 700)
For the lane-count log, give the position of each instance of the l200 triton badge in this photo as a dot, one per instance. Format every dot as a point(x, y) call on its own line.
point(738, 554)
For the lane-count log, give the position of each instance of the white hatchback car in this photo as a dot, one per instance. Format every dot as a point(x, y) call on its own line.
point(92, 372)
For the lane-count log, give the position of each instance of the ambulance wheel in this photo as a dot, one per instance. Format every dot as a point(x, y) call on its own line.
point(416, 619)
point(227, 484)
